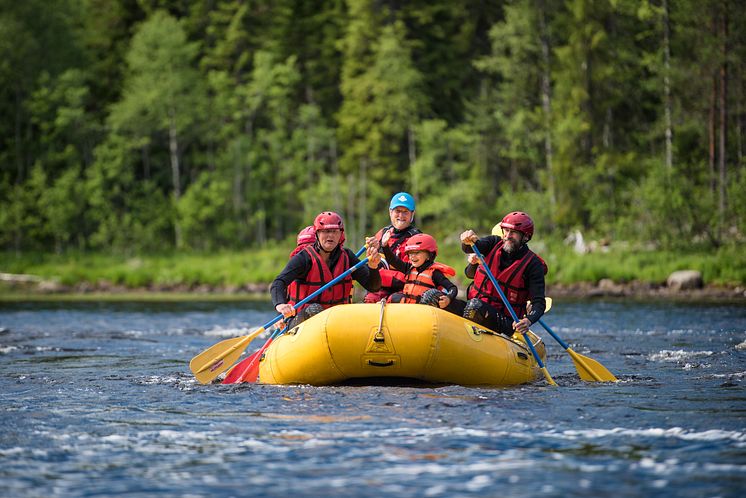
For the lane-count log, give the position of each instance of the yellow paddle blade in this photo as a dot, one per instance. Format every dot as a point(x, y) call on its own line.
point(589, 369)
point(211, 362)
point(548, 377)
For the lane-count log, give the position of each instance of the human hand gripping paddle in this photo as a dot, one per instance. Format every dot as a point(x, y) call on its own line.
point(210, 363)
point(247, 370)
point(512, 314)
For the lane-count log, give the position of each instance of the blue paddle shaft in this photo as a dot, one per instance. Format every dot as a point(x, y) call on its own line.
point(506, 302)
point(556, 337)
point(319, 290)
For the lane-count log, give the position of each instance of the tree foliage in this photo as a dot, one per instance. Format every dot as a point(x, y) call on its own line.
point(142, 125)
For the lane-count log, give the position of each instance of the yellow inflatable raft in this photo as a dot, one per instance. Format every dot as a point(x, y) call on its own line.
point(409, 341)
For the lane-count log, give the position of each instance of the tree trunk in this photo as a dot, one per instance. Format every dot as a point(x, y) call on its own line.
point(722, 200)
point(667, 85)
point(18, 143)
point(412, 146)
point(711, 134)
point(363, 198)
point(173, 146)
point(546, 101)
point(739, 115)
point(145, 162)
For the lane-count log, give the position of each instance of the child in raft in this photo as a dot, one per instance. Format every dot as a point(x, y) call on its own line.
point(426, 280)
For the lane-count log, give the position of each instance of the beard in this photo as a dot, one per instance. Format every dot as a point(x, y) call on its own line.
point(511, 246)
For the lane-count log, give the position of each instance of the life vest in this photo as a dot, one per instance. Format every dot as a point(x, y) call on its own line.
point(420, 281)
point(510, 279)
point(293, 287)
point(396, 243)
point(317, 277)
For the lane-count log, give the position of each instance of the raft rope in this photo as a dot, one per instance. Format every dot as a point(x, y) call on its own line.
point(379, 334)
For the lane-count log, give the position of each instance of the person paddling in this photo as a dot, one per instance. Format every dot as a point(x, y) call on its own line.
point(401, 214)
point(426, 280)
point(319, 263)
point(519, 271)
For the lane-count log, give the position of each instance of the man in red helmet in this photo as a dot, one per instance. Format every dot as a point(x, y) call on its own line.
point(316, 265)
point(518, 270)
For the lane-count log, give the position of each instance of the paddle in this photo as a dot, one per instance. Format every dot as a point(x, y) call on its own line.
point(512, 314)
point(589, 369)
point(247, 370)
point(213, 361)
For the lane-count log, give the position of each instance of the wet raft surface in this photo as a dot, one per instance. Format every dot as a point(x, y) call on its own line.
point(98, 399)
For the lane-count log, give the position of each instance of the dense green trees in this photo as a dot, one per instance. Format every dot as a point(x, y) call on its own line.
point(143, 125)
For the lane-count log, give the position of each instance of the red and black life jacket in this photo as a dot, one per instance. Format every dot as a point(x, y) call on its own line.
point(318, 276)
point(396, 243)
point(420, 281)
point(510, 279)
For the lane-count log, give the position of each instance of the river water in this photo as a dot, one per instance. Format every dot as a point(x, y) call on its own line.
point(97, 400)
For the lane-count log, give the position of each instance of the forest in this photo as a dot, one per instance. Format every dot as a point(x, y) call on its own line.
point(132, 126)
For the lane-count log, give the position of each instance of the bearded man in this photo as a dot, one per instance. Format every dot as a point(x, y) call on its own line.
point(519, 271)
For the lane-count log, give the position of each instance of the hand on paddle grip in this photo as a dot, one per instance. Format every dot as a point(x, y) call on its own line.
point(372, 242)
point(522, 325)
point(374, 258)
point(469, 238)
point(285, 309)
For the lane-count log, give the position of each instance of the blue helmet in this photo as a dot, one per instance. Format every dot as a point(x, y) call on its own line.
point(402, 199)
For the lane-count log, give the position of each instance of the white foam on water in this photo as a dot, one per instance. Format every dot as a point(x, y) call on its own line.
point(219, 331)
point(692, 366)
point(673, 432)
point(186, 435)
point(115, 438)
point(428, 432)
point(12, 451)
point(7, 349)
point(478, 482)
point(679, 355)
point(262, 445)
point(734, 375)
point(741, 346)
point(436, 490)
point(724, 467)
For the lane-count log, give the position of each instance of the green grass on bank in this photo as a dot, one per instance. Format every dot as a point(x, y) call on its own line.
point(189, 269)
point(724, 266)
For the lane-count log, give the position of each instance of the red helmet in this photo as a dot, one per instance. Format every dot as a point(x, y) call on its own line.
point(520, 222)
point(421, 242)
point(307, 235)
point(329, 220)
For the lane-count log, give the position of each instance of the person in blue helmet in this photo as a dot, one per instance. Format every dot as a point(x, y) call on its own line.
point(401, 214)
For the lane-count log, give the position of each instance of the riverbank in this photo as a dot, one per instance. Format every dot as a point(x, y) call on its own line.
point(621, 271)
point(104, 291)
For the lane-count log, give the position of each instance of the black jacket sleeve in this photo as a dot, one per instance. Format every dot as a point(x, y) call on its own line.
point(534, 278)
point(471, 270)
point(449, 287)
point(394, 260)
point(298, 267)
